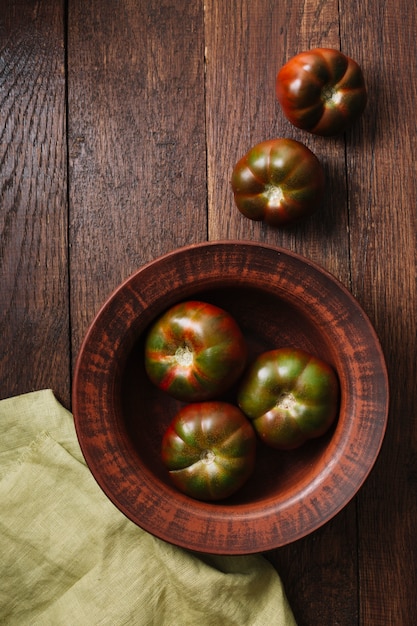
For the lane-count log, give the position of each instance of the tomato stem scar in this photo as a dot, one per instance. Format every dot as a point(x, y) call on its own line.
point(207, 456)
point(331, 96)
point(273, 193)
point(184, 356)
point(286, 401)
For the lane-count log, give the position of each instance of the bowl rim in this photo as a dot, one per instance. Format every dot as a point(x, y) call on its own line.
point(221, 535)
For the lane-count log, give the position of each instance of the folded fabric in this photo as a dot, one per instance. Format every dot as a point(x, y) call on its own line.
point(70, 557)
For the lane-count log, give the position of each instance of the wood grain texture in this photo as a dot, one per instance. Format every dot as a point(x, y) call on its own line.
point(382, 204)
point(163, 98)
point(33, 216)
point(246, 44)
point(137, 145)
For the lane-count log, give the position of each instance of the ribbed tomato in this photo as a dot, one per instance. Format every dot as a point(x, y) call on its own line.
point(209, 450)
point(290, 396)
point(278, 181)
point(195, 351)
point(322, 91)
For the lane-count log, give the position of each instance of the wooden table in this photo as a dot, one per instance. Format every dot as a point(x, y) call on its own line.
point(120, 123)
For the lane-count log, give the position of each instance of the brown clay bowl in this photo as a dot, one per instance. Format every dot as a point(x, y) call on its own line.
point(279, 299)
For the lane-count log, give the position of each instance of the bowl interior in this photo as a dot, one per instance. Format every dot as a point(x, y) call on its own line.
point(267, 322)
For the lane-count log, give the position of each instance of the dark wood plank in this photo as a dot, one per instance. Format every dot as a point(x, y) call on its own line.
point(137, 141)
point(382, 201)
point(246, 44)
point(33, 218)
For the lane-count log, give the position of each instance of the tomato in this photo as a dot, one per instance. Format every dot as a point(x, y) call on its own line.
point(290, 396)
point(278, 181)
point(209, 449)
point(322, 91)
point(195, 351)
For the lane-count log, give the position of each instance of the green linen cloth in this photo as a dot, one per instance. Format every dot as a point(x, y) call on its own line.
point(69, 557)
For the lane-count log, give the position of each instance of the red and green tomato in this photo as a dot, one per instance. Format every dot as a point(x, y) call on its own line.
point(278, 181)
point(321, 91)
point(290, 396)
point(195, 351)
point(209, 450)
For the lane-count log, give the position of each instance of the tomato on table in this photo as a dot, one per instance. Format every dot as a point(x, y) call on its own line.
point(321, 91)
point(209, 449)
point(195, 351)
point(278, 181)
point(290, 396)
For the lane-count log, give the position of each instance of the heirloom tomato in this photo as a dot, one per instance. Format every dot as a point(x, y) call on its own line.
point(209, 450)
point(195, 351)
point(278, 181)
point(322, 91)
point(290, 396)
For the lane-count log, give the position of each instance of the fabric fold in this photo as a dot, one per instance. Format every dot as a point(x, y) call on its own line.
point(69, 556)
